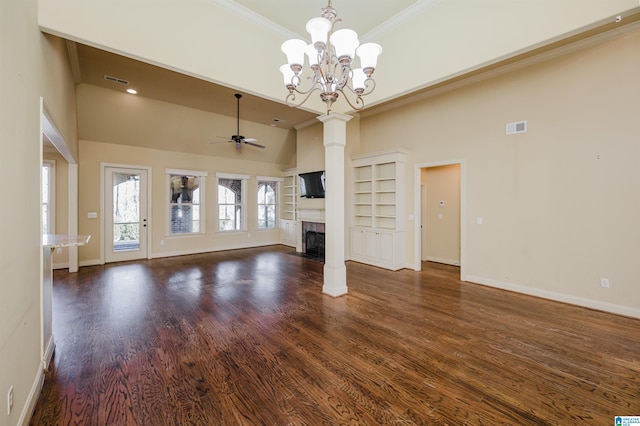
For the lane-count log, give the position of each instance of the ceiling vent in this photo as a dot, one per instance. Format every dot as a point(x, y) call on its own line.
point(516, 127)
point(116, 80)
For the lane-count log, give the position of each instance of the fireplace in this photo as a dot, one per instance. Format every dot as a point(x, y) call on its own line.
point(313, 240)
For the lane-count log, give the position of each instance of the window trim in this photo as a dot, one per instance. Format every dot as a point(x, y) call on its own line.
point(278, 181)
point(51, 205)
point(244, 179)
point(184, 172)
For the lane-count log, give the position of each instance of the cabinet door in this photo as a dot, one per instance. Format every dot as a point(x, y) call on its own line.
point(387, 246)
point(357, 243)
point(371, 244)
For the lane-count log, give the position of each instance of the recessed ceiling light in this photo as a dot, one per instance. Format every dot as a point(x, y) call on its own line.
point(132, 91)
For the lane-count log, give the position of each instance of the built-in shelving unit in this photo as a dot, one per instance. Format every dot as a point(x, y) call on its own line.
point(377, 231)
point(288, 216)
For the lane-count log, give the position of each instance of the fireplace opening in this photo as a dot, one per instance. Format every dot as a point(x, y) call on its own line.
point(314, 244)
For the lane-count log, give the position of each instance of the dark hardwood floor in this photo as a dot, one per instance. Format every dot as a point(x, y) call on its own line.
point(246, 338)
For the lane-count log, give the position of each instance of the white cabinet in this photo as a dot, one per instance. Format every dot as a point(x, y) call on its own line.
point(288, 213)
point(377, 227)
point(288, 232)
point(376, 247)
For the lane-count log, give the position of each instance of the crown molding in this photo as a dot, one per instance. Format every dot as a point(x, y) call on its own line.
point(400, 18)
point(253, 17)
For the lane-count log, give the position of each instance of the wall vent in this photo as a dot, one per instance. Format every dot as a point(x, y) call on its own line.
point(116, 80)
point(516, 127)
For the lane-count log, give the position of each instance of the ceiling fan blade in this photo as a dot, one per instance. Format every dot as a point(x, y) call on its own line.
point(250, 140)
point(257, 145)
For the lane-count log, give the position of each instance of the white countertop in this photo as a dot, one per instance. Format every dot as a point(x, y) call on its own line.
point(60, 240)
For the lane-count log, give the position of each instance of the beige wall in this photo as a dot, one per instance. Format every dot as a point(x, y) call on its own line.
point(93, 154)
point(31, 68)
point(58, 79)
point(559, 203)
point(116, 117)
point(440, 209)
point(60, 256)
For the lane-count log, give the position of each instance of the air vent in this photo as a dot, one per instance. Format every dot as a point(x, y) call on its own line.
point(116, 80)
point(516, 127)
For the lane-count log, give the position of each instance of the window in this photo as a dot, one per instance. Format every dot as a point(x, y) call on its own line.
point(48, 196)
point(231, 212)
point(267, 202)
point(186, 201)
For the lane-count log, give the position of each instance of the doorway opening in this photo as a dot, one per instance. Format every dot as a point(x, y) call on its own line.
point(440, 214)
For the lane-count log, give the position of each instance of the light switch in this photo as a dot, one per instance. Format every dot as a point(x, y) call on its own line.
point(439, 215)
point(479, 220)
point(92, 215)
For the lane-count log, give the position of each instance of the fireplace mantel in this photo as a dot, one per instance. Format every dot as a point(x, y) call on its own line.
point(311, 215)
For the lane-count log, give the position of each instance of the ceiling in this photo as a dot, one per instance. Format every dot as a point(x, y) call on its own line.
point(91, 65)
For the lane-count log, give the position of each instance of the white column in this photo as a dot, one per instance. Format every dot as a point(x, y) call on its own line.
point(335, 139)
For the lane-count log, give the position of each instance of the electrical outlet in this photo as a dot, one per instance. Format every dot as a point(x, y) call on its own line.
point(9, 400)
point(604, 282)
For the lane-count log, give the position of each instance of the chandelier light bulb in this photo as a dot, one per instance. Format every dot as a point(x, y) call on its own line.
point(318, 29)
point(294, 49)
point(368, 54)
point(312, 55)
point(288, 75)
point(345, 43)
point(359, 78)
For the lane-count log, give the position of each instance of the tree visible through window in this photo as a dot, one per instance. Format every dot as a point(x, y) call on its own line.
point(229, 204)
point(267, 204)
point(185, 192)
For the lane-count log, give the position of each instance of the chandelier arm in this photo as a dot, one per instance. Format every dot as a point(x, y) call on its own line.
point(359, 103)
point(315, 85)
point(291, 97)
point(368, 90)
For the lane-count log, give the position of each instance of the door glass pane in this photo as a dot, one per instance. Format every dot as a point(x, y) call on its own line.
point(126, 211)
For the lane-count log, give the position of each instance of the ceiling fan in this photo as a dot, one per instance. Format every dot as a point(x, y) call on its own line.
point(238, 139)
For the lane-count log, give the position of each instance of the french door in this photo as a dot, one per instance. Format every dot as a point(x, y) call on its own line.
point(125, 215)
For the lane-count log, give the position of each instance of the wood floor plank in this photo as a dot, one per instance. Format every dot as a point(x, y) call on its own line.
point(246, 337)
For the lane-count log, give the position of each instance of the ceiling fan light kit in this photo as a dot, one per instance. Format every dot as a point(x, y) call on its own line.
point(330, 55)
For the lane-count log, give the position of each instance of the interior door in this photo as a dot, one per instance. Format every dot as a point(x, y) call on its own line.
point(125, 214)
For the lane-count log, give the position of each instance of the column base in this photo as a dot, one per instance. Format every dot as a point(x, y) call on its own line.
point(335, 280)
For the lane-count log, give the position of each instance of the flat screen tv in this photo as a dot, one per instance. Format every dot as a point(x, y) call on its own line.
point(312, 184)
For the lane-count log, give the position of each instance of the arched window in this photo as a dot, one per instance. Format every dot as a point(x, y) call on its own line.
point(186, 201)
point(267, 204)
point(230, 203)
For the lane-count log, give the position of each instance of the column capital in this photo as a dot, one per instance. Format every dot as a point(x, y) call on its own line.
point(334, 116)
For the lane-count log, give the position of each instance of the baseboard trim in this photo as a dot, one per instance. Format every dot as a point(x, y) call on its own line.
point(32, 398)
point(214, 249)
point(558, 297)
point(452, 262)
point(60, 266)
point(48, 354)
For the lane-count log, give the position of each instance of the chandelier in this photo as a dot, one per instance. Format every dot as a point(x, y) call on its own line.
point(331, 54)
